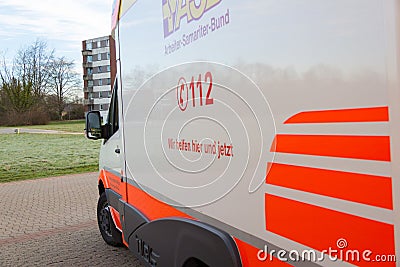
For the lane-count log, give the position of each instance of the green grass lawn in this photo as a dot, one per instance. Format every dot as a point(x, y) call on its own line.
point(76, 126)
point(28, 156)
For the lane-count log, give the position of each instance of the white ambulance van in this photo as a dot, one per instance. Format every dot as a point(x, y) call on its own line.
point(253, 133)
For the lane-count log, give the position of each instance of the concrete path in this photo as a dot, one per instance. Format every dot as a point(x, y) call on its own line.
point(29, 130)
point(52, 221)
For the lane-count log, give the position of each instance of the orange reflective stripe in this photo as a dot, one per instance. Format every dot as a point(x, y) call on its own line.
point(361, 188)
point(116, 218)
point(155, 209)
point(248, 254)
point(321, 228)
point(103, 178)
point(343, 146)
point(152, 208)
point(112, 182)
point(374, 114)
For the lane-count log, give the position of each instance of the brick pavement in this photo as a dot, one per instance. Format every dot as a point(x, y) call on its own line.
point(52, 221)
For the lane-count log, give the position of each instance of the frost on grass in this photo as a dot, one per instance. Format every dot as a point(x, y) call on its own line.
point(27, 156)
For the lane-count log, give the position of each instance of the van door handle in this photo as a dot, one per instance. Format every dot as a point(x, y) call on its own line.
point(117, 150)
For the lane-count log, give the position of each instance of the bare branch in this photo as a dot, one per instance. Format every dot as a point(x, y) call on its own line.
point(64, 81)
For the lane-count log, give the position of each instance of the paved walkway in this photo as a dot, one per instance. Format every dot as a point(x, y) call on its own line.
point(29, 130)
point(52, 221)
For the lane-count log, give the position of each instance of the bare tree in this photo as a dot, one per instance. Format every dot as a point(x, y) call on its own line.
point(35, 84)
point(19, 95)
point(18, 103)
point(29, 73)
point(32, 65)
point(5, 74)
point(15, 94)
point(64, 82)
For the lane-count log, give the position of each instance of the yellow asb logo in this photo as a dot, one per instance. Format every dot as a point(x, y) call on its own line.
point(175, 10)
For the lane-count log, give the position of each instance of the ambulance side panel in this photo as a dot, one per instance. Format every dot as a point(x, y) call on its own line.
point(275, 122)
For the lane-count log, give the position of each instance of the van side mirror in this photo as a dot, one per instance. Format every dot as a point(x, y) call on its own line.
point(93, 125)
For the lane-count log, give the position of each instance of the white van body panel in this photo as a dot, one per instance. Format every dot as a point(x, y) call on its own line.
point(261, 68)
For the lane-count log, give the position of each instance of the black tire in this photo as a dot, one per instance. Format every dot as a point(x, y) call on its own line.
point(109, 232)
point(192, 262)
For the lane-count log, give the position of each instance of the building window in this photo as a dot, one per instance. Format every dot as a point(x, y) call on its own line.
point(107, 42)
point(98, 56)
point(88, 45)
point(101, 107)
point(90, 83)
point(89, 71)
point(108, 68)
point(109, 94)
point(108, 55)
point(99, 69)
point(98, 44)
point(100, 82)
point(90, 95)
point(108, 81)
point(100, 94)
point(89, 58)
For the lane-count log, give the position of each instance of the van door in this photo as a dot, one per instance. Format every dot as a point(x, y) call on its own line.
point(110, 157)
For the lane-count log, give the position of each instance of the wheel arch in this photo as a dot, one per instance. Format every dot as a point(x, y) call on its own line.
point(101, 187)
point(174, 241)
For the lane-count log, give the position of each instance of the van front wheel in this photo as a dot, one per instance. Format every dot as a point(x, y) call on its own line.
point(109, 232)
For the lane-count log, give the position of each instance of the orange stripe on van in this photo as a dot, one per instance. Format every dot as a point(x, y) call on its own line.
point(154, 209)
point(151, 207)
point(343, 146)
point(373, 114)
point(361, 188)
point(321, 228)
point(248, 254)
point(112, 181)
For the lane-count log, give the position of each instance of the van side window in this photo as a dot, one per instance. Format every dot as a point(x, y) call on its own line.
point(112, 119)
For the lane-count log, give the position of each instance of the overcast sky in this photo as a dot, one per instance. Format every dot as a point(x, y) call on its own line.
point(62, 24)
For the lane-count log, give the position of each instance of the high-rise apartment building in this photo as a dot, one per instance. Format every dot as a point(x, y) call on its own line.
point(99, 69)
